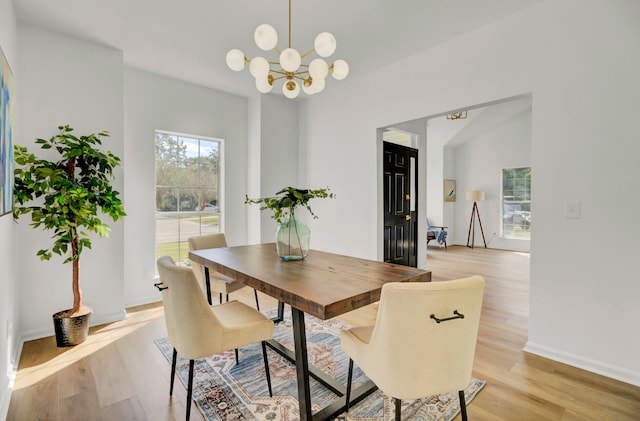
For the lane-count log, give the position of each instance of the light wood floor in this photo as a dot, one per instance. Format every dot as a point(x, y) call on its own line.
point(119, 374)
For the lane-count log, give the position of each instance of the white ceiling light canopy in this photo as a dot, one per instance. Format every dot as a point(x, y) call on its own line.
point(290, 67)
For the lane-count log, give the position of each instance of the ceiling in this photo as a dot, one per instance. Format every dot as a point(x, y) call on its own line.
point(188, 39)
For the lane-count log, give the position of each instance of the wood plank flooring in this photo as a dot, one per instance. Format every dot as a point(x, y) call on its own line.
point(119, 374)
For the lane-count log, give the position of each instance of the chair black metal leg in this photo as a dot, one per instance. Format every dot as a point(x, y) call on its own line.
point(255, 292)
point(173, 370)
point(349, 380)
point(237, 360)
point(463, 405)
point(189, 389)
point(207, 281)
point(266, 367)
point(398, 409)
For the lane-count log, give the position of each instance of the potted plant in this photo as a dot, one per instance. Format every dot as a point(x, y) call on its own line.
point(68, 196)
point(292, 236)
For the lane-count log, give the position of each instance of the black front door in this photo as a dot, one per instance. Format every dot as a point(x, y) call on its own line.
point(400, 208)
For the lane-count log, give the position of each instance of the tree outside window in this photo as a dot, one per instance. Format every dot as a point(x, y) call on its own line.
point(188, 203)
point(516, 203)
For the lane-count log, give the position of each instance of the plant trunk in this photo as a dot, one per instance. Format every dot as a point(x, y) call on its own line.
point(75, 283)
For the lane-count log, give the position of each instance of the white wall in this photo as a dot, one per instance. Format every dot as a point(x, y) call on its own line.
point(153, 102)
point(67, 81)
point(479, 163)
point(9, 340)
point(581, 75)
point(435, 184)
point(278, 155)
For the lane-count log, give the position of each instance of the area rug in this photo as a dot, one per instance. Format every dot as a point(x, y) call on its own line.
point(224, 391)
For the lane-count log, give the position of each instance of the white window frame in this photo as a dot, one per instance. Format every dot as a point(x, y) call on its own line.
point(504, 202)
point(221, 178)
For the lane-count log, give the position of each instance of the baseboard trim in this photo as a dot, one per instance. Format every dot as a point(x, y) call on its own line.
point(12, 371)
point(144, 300)
point(95, 320)
point(4, 402)
point(607, 370)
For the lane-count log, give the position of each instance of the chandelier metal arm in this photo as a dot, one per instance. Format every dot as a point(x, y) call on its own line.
point(308, 53)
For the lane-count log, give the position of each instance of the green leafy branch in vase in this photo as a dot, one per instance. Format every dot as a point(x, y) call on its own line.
point(283, 205)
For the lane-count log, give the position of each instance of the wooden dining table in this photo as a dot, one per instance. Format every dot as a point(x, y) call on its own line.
point(324, 285)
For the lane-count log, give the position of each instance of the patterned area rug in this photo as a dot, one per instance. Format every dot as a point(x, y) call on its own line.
point(225, 391)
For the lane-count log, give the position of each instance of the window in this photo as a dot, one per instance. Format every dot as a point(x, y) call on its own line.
point(516, 202)
point(188, 191)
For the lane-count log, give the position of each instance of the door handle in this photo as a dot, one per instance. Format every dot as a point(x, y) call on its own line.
point(408, 217)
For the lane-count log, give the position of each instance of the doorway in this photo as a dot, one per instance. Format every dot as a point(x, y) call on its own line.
point(400, 204)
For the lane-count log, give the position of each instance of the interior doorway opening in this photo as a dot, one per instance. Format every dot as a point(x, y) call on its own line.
point(471, 152)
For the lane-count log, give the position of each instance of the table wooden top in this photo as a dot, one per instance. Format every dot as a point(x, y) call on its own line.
point(324, 284)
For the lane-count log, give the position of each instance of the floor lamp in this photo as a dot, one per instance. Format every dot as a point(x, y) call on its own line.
point(476, 196)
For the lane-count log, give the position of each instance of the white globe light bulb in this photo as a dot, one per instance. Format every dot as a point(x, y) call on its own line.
point(288, 92)
point(319, 85)
point(309, 90)
point(290, 60)
point(318, 69)
point(340, 69)
point(325, 44)
point(266, 37)
point(263, 85)
point(259, 67)
point(235, 60)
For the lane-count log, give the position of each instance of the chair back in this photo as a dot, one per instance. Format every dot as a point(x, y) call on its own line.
point(209, 241)
point(416, 355)
point(192, 327)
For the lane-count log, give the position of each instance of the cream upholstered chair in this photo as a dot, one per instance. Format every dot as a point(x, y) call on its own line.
point(422, 342)
point(217, 281)
point(197, 330)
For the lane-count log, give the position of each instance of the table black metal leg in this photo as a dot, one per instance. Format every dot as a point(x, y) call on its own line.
point(302, 364)
point(280, 311)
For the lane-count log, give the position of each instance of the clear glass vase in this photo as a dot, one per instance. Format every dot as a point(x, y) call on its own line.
point(292, 239)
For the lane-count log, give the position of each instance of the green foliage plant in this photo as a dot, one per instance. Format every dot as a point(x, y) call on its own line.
point(287, 199)
point(68, 196)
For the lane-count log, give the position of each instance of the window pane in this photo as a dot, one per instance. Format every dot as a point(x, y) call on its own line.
point(516, 202)
point(166, 199)
point(167, 236)
point(187, 192)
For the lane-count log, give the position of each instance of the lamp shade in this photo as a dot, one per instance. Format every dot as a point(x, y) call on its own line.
point(340, 69)
point(265, 37)
point(318, 69)
point(291, 89)
point(235, 60)
point(290, 60)
point(259, 67)
point(475, 195)
point(325, 44)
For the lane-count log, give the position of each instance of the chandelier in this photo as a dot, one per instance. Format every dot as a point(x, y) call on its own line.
point(290, 68)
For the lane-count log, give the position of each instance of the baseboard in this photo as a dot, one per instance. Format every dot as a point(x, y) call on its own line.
point(4, 402)
point(95, 320)
point(578, 361)
point(11, 374)
point(154, 298)
point(6, 397)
